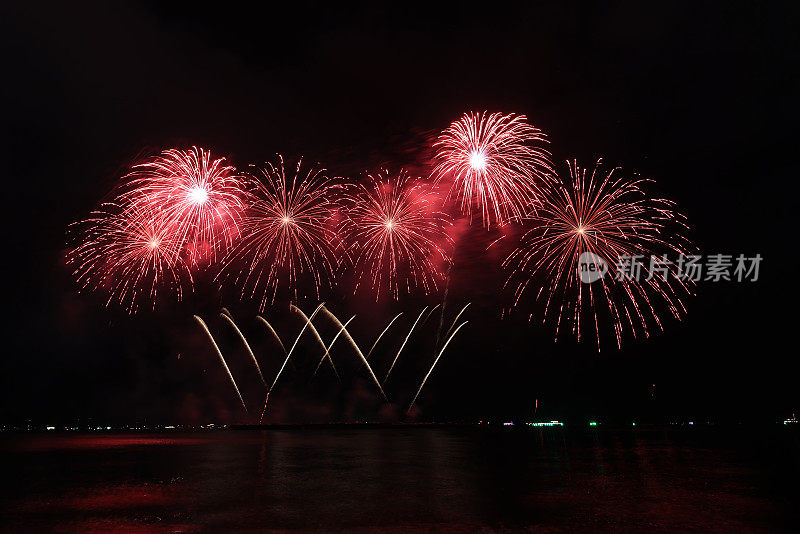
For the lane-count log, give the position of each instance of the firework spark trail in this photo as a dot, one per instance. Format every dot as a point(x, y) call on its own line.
point(275, 335)
point(315, 332)
point(403, 345)
point(610, 218)
point(330, 346)
point(297, 339)
point(288, 355)
point(286, 233)
point(444, 307)
point(381, 334)
point(200, 198)
point(273, 332)
point(494, 163)
point(397, 233)
point(221, 358)
point(456, 319)
point(246, 345)
point(130, 254)
point(358, 350)
point(264, 411)
point(425, 320)
point(434, 364)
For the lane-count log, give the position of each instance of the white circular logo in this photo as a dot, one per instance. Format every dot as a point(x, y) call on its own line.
point(591, 267)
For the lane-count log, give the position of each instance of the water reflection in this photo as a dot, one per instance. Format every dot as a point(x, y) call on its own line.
point(392, 479)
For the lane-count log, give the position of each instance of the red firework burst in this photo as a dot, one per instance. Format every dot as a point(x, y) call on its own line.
point(495, 164)
point(609, 218)
point(199, 198)
point(287, 232)
point(397, 234)
point(131, 254)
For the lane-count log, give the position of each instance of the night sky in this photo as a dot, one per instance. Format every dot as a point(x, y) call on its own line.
point(700, 98)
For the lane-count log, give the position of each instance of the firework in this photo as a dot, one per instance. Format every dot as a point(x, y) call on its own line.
point(410, 330)
point(327, 353)
point(129, 254)
point(397, 234)
point(230, 321)
point(353, 344)
point(297, 339)
point(200, 199)
point(457, 318)
point(608, 217)
point(221, 358)
point(434, 364)
point(388, 326)
point(272, 331)
point(494, 164)
point(315, 332)
point(288, 232)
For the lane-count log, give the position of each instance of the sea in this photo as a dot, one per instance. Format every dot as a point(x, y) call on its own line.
point(427, 478)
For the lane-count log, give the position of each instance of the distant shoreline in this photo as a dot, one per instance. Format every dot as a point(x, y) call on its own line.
point(506, 426)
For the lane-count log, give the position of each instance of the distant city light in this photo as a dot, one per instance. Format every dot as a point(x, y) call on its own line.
point(592, 423)
point(548, 423)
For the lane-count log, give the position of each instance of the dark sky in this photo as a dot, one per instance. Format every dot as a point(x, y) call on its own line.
point(700, 98)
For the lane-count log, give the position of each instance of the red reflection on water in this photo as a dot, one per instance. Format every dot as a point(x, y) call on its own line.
point(124, 496)
point(100, 441)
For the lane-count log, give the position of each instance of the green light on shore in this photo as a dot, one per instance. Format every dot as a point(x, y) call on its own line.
point(592, 423)
point(634, 424)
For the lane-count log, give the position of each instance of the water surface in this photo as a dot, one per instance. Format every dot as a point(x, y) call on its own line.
point(402, 480)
